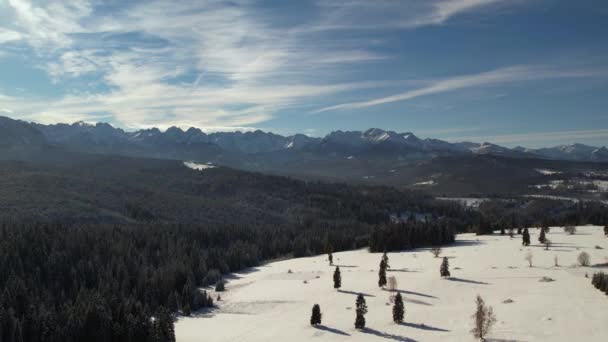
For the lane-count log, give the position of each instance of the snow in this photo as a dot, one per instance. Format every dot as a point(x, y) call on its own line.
point(199, 167)
point(429, 182)
point(547, 172)
point(269, 304)
point(472, 202)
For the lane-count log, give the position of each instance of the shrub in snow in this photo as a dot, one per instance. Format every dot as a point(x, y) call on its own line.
point(529, 258)
point(583, 259)
point(392, 283)
point(546, 279)
point(483, 319)
point(570, 230)
point(436, 251)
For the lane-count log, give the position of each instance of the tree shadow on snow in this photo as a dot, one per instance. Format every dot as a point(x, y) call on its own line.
point(422, 326)
point(401, 270)
point(466, 243)
point(332, 330)
point(415, 293)
point(468, 281)
point(356, 293)
point(416, 301)
point(387, 335)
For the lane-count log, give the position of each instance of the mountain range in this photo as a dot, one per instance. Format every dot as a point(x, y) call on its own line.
point(372, 143)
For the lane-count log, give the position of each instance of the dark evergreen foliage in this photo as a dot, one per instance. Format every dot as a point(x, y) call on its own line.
point(541, 236)
point(337, 278)
point(315, 317)
point(600, 281)
point(525, 236)
point(411, 234)
point(398, 309)
point(385, 259)
point(361, 310)
point(445, 268)
point(382, 274)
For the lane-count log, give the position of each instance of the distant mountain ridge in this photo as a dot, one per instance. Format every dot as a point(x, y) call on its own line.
point(193, 142)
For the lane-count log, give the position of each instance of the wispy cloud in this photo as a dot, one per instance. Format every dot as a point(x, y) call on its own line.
point(209, 63)
point(540, 138)
point(489, 78)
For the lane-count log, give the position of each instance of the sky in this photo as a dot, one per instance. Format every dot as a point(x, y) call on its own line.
point(512, 72)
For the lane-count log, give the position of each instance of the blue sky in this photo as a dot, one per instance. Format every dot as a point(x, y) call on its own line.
point(513, 72)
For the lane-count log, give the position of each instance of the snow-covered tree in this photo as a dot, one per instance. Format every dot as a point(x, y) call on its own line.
point(398, 309)
point(315, 317)
point(337, 278)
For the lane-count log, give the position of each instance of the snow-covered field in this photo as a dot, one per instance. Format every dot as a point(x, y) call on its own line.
point(268, 303)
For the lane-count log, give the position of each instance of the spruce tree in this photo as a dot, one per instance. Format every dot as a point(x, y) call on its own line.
point(330, 257)
point(315, 318)
point(525, 236)
point(398, 309)
point(337, 278)
point(541, 237)
point(445, 268)
point(382, 274)
point(361, 310)
point(385, 259)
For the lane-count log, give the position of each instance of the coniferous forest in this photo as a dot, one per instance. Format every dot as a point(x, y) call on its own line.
point(126, 276)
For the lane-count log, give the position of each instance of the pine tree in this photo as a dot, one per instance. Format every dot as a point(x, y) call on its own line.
point(398, 309)
point(445, 268)
point(337, 278)
point(382, 274)
point(385, 259)
point(330, 257)
point(315, 318)
point(525, 237)
point(541, 237)
point(361, 310)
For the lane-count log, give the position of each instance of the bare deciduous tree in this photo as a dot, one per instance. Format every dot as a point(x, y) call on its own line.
point(436, 251)
point(529, 258)
point(583, 259)
point(483, 319)
point(392, 283)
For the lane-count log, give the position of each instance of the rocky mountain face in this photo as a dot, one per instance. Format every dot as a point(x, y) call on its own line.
point(194, 143)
